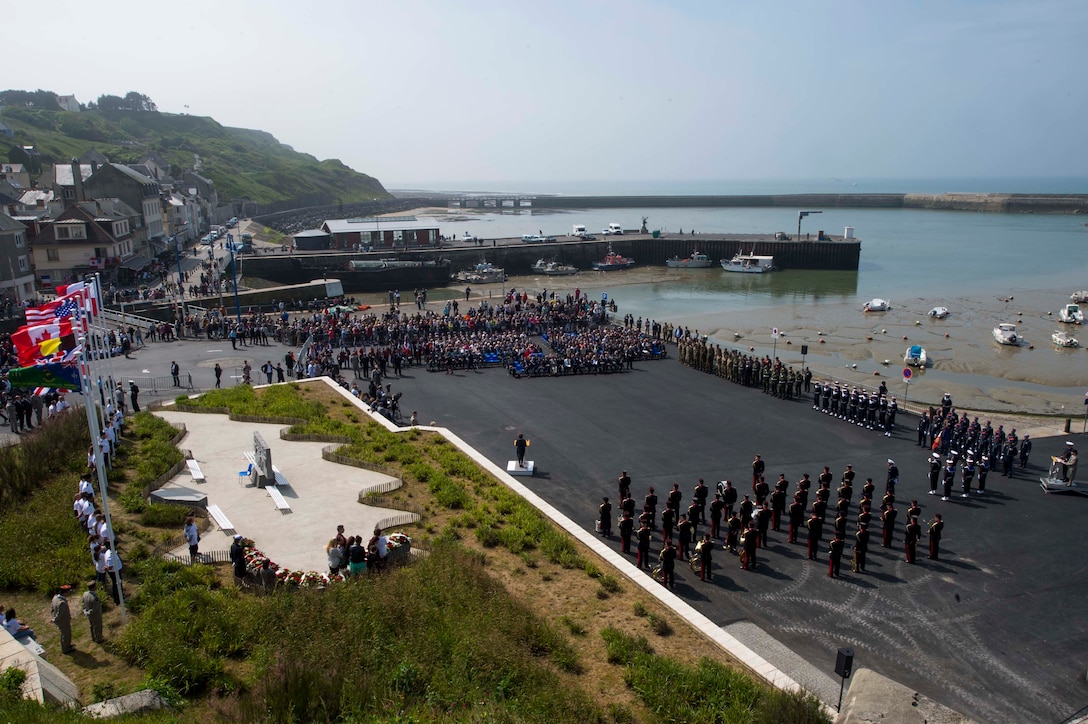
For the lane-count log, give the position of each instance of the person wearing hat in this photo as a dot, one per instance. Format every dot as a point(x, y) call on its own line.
point(92, 609)
point(61, 616)
point(1068, 460)
point(912, 533)
point(861, 547)
point(604, 518)
point(893, 476)
point(1025, 450)
point(935, 530)
point(934, 473)
point(238, 560)
point(133, 395)
point(949, 477)
point(983, 471)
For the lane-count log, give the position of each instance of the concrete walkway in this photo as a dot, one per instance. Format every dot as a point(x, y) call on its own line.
point(321, 494)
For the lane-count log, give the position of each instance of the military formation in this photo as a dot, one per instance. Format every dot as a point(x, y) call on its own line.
point(822, 517)
point(873, 410)
point(774, 377)
point(976, 448)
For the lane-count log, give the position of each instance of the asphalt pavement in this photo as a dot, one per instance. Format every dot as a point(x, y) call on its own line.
point(991, 630)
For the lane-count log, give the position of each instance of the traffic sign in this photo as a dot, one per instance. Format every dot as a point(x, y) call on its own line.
point(907, 373)
point(774, 332)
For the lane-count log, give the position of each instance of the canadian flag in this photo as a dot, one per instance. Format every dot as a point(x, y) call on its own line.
point(34, 342)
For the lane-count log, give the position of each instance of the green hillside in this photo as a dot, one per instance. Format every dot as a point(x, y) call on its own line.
point(244, 164)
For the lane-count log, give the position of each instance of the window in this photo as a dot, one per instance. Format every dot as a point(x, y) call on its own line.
point(63, 232)
point(23, 265)
point(52, 254)
point(19, 243)
point(71, 231)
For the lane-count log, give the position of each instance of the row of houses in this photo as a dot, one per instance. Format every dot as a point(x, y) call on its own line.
point(92, 215)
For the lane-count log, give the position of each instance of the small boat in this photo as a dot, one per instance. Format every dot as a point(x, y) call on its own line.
point(554, 268)
point(915, 356)
point(1006, 334)
point(484, 273)
point(697, 260)
point(877, 305)
point(938, 312)
point(1071, 314)
point(1080, 297)
point(613, 261)
point(749, 264)
point(1064, 339)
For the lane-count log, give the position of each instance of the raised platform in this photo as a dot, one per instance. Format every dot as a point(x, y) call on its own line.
point(513, 468)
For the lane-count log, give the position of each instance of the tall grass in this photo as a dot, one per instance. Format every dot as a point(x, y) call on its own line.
point(58, 446)
point(707, 692)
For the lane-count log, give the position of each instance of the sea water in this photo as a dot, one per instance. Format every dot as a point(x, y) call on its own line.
point(904, 253)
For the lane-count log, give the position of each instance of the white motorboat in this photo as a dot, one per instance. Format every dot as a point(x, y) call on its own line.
point(938, 312)
point(697, 260)
point(554, 268)
point(1071, 314)
point(1064, 339)
point(484, 273)
point(1005, 333)
point(1080, 297)
point(748, 264)
point(877, 305)
point(915, 356)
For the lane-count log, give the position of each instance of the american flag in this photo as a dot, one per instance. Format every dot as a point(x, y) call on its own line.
point(53, 311)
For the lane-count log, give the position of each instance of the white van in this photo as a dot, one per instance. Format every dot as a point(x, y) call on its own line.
point(579, 230)
point(615, 229)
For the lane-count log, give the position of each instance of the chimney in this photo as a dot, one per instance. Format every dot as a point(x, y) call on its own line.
point(77, 181)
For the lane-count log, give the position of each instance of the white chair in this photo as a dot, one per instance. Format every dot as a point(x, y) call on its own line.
point(244, 476)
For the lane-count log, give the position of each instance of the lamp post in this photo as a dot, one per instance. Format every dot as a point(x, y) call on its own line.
point(234, 278)
point(178, 295)
point(801, 215)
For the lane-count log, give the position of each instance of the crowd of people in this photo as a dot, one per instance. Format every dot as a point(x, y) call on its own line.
point(742, 522)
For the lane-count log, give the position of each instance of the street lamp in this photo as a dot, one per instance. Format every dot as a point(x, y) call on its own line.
point(801, 215)
point(234, 279)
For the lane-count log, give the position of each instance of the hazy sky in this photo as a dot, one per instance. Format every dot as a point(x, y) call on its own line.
point(457, 91)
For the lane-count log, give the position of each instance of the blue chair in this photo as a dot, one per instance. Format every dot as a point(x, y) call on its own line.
point(247, 474)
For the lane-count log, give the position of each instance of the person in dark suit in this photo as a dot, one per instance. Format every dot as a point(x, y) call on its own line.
point(667, 557)
point(912, 533)
point(834, 556)
point(644, 535)
point(815, 531)
point(627, 528)
point(888, 517)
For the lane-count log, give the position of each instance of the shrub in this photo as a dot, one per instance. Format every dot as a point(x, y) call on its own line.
point(659, 625)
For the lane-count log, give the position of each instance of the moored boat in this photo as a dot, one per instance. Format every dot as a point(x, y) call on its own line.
point(938, 312)
point(1006, 333)
point(748, 264)
point(1071, 314)
point(877, 305)
point(483, 273)
point(554, 268)
point(697, 260)
point(1064, 339)
point(915, 356)
point(613, 261)
point(1080, 297)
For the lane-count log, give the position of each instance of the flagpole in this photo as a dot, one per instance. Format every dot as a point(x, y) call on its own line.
point(99, 458)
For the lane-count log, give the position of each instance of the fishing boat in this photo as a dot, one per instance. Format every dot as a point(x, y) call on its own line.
point(915, 356)
point(1064, 339)
point(749, 264)
point(697, 260)
point(1080, 297)
point(877, 305)
point(938, 312)
point(1071, 314)
point(1005, 333)
point(554, 268)
point(483, 273)
point(613, 261)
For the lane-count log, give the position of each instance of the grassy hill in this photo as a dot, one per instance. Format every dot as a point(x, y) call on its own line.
point(243, 163)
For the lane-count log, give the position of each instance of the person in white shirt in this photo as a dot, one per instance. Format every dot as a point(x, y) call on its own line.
point(113, 566)
point(86, 487)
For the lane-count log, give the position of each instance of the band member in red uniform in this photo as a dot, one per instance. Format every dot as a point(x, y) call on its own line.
point(815, 530)
point(935, 530)
point(888, 517)
point(912, 533)
point(861, 547)
point(797, 517)
point(834, 556)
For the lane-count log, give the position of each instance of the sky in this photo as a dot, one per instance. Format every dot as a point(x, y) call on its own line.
point(451, 93)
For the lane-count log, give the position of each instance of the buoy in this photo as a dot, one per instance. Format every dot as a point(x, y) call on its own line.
point(904, 336)
point(870, 338)
point(876, 374)
point(1049, 313)
point(946, 335)
point(821, 341)
point(916, 323)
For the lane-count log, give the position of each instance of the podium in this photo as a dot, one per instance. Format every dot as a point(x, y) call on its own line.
point(513, 468)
